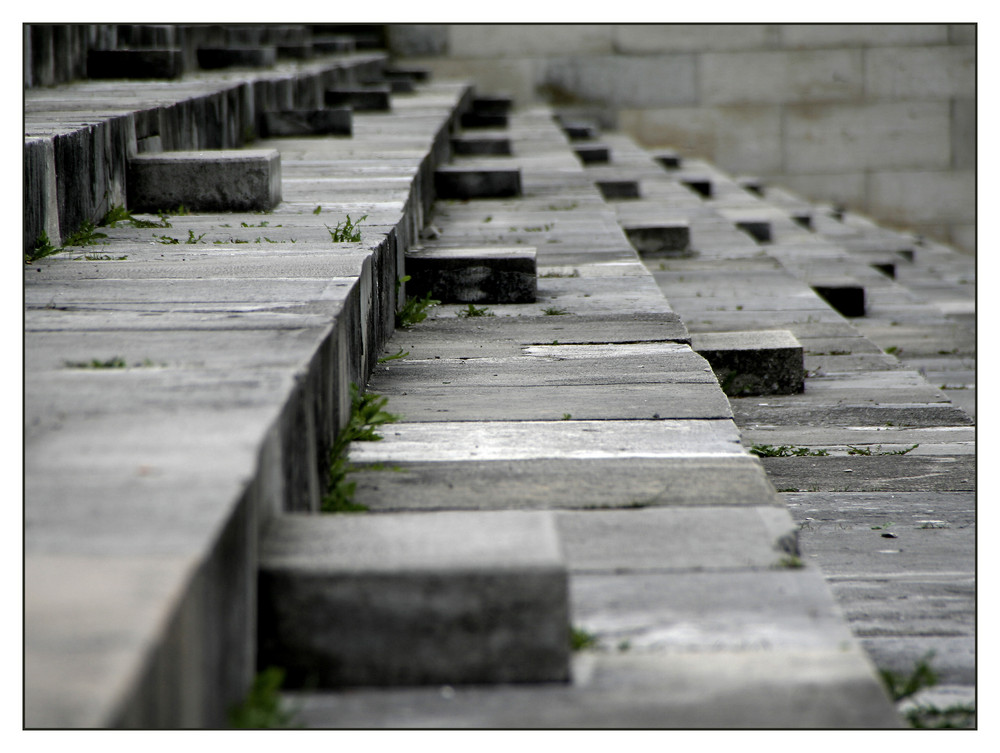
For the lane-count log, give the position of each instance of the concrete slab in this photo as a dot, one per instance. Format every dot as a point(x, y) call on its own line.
point(569, 484)
point(719, 690)
point(414, 599)
point(528, 440)
point(240, 180)
point(872, 473)
point(473, 275)
point(747, 413)
point(763, 362)
point(453, 182)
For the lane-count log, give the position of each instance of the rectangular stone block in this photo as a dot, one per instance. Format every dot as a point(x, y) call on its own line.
point(135, 64)
point(618, 189)
point(847, 297)
point(212, 58)
point(753, 362)
point(330, 121)
point(473, 275)
point(671, 239)
point(669, 160)
point(492, 104)
point(414, 599)
point(480, 145)
point(452, 182)
point(223, 180)
point(928, 73)
point(759, 230)
point(734, 78)
point(483, 120)
point(579, 131)
point(701, 186)
point(595, 154)
point(372, 98)
point(410, 72)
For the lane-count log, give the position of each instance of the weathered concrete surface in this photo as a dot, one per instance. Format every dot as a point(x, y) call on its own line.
point(414, 599)
point(244, 180)
point(473, 275)
point(555, 483)
point(765, 362)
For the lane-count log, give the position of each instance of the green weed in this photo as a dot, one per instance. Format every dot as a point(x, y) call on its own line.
point(785, 451)
point(43, 247)
point(928, 716)
point(414, 311)
point(263, 708)
point(115, 362)
point(318, 209)
point(866, 451)
point(367, 414)
point(166, 240)
point(347, 231)
point(399, 354)
point(87, 235)
point(472, 311)
point(791, 562)
point(554, 311)
point(581, 640)
point(193, 239)
point(901, 687)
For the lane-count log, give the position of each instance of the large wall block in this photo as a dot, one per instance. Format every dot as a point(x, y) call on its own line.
point(648, 81)
point(489, 40)
point(861, 35)
point(758, 77)
point(918, 198)
point(921, 73)
point(835, 138)
point(643, 39)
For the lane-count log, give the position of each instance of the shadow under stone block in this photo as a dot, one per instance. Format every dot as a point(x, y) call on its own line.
point(803, 219)
point(492, 104)
point(701, 186)
point(669, 160)
point(752, 185)
point(221, 181)
point(401, 86)
point(593, 155)
point(480, 145)
point(618, 189)
point(476, 183)
point(847, 297)
point(331, 121)
point(473, 275)
point(483, 120)
point(212, 58)
point(414, 74)
point(135, 64)
point(672, 239)
point(759, 230)
point(764, 362)
point(368, 98)
point(579, 131)
point(888, 268)
point(414, 599)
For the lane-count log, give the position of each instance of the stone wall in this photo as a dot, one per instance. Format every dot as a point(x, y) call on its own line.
point(879, 118)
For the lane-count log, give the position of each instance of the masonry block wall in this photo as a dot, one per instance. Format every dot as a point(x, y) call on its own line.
point(878, 118)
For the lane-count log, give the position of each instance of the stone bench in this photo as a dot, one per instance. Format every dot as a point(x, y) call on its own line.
point(455, 182)
point(473, 275)
point(414, 599)
point(753, 362)
point(223, 180)
point(665, 239)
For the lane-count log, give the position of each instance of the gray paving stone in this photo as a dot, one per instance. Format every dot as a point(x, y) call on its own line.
point(766, 362)
point(244, 180)
point(473, 275)
point(718, 690)
point(554, 484)
point(872, 473)
point(414, 599)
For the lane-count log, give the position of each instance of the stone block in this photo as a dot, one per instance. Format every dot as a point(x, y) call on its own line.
point(131, 64)
point(701, 186)
point(673, 239)
point(296, 51)
point(762, 362)
point(645, 39)
point(333, 45)
point(473, 275)
point(669, 160)
point(579, 131)
point(417, 40)
point(414, 599)
point(733, 78)
point(923, 73)
point(476, 183)
point(861, 35)
point(211, 58)
point(483, 120)
point(528, 40)
point(480, 145)
point(618, 189)
point(759, 230)
point(371, 98)
point(224, 180)
point(847, 297)
point(595, 154)
point(662, 80)
point(410, 72)
point(330, 121)
point(492, 104)
point(401, 86)
point(41, 207)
